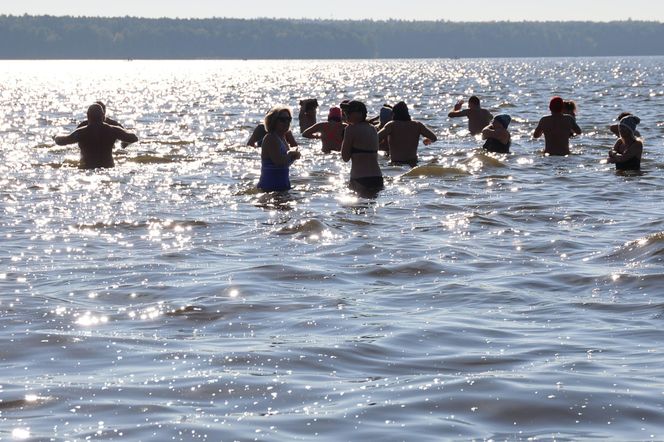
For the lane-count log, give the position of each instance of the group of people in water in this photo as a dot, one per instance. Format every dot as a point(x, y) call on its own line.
point(358, 138)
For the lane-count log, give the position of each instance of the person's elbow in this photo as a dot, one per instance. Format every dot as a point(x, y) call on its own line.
point(578, 131)
point(60, 140)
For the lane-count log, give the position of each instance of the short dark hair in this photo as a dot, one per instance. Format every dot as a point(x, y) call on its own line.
point(623, 115)
point(474, 100)
point(400, 112)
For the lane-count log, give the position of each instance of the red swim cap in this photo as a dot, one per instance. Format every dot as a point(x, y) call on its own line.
point(335, 114)
point(556, 105)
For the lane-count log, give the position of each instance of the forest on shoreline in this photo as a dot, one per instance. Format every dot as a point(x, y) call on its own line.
point(49, 37)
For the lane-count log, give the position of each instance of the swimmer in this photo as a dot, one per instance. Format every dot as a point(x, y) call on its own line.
point(107, 120)
point(385, 116)
point(614, 127)
point(626, 153)
point(96, 139)
point(330, 132)
point(275, 156)
point(403, 136)
point(307, 115)
point(557, 129)
point(256, 138)
point(478, 118)
point(361, 146)
point(498, 138)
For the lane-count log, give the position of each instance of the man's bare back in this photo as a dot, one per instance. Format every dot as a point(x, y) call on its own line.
point(557, 130)
point(96, 140)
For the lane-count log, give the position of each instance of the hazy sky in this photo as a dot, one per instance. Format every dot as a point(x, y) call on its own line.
point(476, 10)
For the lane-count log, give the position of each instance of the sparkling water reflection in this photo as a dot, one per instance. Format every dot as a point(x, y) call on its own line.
point(507, 297)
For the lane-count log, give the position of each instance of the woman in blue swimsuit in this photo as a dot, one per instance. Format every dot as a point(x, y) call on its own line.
point(275, 156)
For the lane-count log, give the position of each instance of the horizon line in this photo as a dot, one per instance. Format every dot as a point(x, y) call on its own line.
point(441, 20)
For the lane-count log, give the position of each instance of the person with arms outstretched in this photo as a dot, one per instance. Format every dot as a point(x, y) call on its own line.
point(96, 139)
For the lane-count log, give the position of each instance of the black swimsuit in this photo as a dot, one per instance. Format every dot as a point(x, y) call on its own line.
point(493, 145)
point(631, 164)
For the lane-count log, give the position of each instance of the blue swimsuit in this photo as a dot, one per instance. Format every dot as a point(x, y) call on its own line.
point(274, 178)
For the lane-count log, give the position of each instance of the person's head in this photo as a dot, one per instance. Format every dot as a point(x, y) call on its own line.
point(400, 112)
point(570, 107)
point(556, 105)
point(386, 115)
point(503, 120)
point(309, 105)
point(334, 114)
point(95, 114)
point(474, 102)
point(103, 106)
point(623, 115)
point(627, 127)
point(278, 119)
point(356, 111)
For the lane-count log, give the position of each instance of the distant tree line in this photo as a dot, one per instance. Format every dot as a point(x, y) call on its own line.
point(47, 37)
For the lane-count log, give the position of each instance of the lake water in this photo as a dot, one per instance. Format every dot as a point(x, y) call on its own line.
point(505, 298)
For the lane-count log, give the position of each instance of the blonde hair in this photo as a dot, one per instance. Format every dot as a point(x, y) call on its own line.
point(273, 114)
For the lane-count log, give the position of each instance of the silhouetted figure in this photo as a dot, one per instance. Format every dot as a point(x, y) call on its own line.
point(557, 129)
point(330, 132)
point(307, 115)
point(626, 153)
point(107, 120)
point(361, 146)
point(498, 138)
point(478, 118)
point(403, 136)
point(275, 156)
point(96, 140)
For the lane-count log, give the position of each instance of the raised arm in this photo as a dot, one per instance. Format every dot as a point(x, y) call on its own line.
point(313, 131)
point(501, 135)
point(575, 127)
point(457, 112)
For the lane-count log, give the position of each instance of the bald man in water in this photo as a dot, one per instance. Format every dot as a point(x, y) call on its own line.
point(96, 140)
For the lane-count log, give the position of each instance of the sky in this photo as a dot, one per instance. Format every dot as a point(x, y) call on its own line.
point(454, 10)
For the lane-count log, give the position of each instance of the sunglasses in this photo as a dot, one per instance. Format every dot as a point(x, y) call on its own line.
point(285, 119)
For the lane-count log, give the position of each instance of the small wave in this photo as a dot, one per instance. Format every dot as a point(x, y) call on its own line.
point(435, 170)
point(486, 160)
point(309, 228)
point(151, 159)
